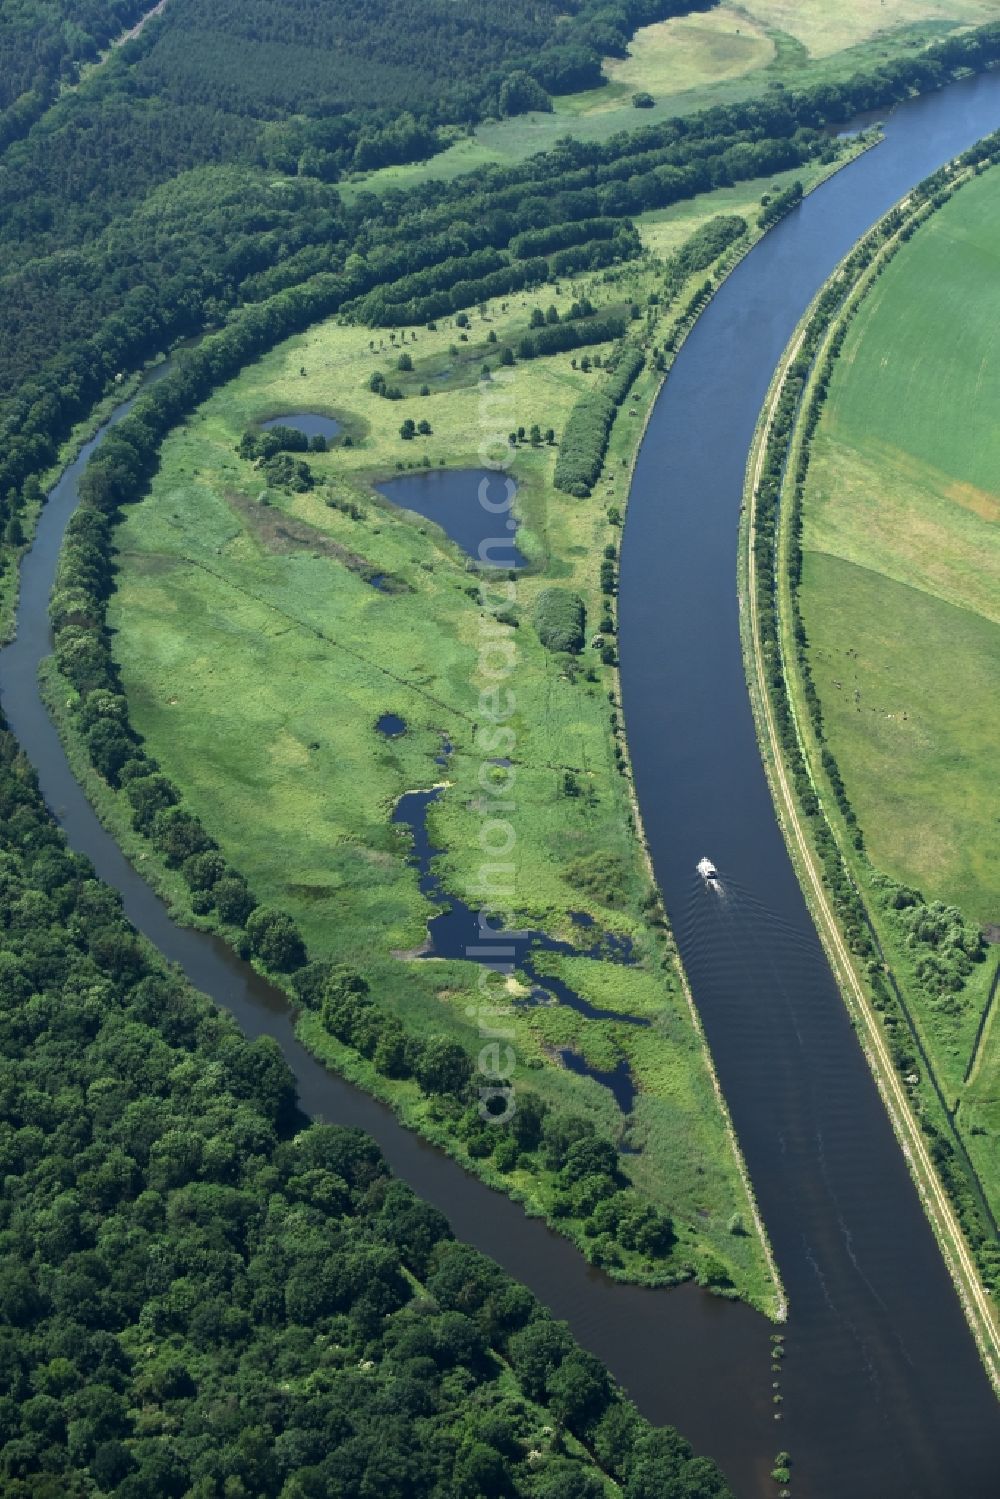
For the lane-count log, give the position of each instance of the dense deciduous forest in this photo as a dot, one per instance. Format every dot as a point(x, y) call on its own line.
point(201, 1294)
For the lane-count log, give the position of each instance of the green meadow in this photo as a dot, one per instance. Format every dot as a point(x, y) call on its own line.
point(258, 657)
point(664, 230)
point(900, 598)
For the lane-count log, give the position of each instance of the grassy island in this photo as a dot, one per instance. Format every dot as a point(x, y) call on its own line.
point(271, 609)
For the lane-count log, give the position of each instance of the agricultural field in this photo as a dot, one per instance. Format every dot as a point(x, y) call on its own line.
point(901, 601)
point(262, 634)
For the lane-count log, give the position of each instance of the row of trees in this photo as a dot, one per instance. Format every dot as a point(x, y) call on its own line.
point(561, 337)
point(448, 288)
point(551, 237)
point(263, 444)
point(588, 429)
point(703, 248)
point(781, 204)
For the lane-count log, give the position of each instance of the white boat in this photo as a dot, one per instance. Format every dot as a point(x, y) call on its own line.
point(708, 871)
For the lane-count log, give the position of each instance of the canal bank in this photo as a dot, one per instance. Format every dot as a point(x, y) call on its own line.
point(875, 1322)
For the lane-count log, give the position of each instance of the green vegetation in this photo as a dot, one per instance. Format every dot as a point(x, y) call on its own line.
point(706, 245)
point(900, 509)
point(560, 619)
point(917, 976)
point(300, 802)
point(719, 57)
point(898, 600)
point(176, 210)
point(298, 59)
point(588, 431)
point(195, 1297)
point(823, 30)
point(778, 206)
point(178, 1246)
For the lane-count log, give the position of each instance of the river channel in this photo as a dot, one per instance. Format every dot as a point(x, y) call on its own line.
point(883, 1393)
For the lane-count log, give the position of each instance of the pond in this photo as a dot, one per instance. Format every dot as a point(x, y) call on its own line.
point(309, 423)
point(391, 725)
point(456, 932)
point(471, 505)
point(618, 1078)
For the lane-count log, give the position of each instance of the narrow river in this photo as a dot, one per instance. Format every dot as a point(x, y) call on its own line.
point(884, 1395)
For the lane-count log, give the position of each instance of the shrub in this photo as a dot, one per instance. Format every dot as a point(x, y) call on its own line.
point(285, 472)
point(705, 246)
point(560, 619)
point(275, 939)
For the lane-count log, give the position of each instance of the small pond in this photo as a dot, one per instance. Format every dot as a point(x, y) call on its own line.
point(472, 505)
point(618, 1079)
point(309, 423)
point(391, 725)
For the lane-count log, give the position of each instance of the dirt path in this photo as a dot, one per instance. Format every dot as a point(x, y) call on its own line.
point(134, 32)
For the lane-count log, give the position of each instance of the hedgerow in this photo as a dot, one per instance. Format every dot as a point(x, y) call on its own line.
point(588, 430)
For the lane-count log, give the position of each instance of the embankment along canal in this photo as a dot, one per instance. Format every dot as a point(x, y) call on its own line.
point(884, 1394)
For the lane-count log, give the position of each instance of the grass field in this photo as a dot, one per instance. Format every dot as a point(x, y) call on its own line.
point(664, 230)
point(681, 55)
point(716, 57)
point(824, 28)
point(901, 602)
point(257, 660)
point(901, 597)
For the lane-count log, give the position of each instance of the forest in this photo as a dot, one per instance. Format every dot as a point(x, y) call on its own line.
point(44, 43)
point(327, 60)
point(200, 1293)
